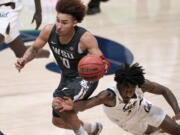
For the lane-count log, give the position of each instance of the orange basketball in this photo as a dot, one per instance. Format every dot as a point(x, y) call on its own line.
point(91, 68)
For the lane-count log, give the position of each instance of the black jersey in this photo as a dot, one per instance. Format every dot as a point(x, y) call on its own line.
point(67, 55)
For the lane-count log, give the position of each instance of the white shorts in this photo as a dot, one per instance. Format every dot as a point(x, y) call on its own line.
point(139, 123)
point(9, 17)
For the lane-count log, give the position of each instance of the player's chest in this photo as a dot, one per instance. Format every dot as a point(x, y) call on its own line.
point(133, 105)
point(66, 52)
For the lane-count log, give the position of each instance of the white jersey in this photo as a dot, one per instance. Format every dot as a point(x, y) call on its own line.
point(10, 18)
point(17, 2)
point(134, 116)
point(5, 1)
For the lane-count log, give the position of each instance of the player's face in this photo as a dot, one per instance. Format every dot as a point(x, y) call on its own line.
point(65, 24)
point(127, 92)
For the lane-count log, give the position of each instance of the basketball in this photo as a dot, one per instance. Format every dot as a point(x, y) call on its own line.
point(91, 68)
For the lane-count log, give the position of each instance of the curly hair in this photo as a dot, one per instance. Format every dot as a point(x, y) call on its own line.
point(130, 74)
point(73, 7)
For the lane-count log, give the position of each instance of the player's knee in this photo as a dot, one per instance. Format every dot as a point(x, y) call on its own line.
point(1, 39)
point(56, 122)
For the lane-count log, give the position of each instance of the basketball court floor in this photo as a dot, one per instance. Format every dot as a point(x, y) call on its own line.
point(150, 29)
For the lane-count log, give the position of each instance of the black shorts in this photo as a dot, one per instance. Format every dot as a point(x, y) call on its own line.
point(75, 88)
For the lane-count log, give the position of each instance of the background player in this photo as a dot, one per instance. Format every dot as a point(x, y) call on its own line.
point(94, 6)
point(9, 26)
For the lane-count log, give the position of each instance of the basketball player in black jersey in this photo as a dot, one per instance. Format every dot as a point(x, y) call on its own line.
point(69, 43)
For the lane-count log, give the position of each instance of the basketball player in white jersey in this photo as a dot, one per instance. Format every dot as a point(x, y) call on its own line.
point(9, 25)
point(125, 105)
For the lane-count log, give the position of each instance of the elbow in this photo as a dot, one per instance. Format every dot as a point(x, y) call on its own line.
point(166, 93)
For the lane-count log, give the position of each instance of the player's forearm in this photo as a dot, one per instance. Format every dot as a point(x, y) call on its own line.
point(82, 106)
point(171, 99)
point(79, 106)
point(30, 54)
point(38, 6)
point(159, 89)
point(87, 104)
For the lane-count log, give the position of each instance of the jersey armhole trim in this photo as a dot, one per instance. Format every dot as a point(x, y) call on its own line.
point(110, 90)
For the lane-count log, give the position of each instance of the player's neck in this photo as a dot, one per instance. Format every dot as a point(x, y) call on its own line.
point(67, 38)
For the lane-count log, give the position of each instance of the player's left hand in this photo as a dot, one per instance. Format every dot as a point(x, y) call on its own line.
point(38, 18)
point(62, 104)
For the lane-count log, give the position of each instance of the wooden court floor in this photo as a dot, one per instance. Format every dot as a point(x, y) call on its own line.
point(149, 28)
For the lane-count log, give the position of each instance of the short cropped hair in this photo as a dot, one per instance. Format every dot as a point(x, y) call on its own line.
point(73, 7)
point(130, 74)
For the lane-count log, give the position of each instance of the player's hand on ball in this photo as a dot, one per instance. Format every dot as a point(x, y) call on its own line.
point(106, 64)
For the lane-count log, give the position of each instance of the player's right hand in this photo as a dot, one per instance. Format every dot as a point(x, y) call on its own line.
point(20, 63)
point(62, 104)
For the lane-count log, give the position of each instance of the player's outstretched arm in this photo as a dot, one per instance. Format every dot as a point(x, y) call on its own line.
point(32, 51)
point(159, 89)
point(66, 104)
point(102, 98)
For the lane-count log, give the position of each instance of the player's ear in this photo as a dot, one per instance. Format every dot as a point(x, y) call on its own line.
point(75, 22)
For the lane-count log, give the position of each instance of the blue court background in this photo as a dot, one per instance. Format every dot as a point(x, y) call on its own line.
point(115, 52)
